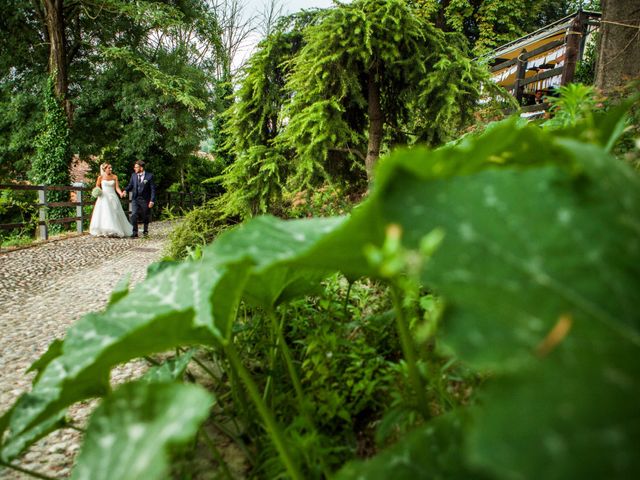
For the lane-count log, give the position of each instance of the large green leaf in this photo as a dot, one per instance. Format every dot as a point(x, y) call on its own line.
point(274, 246)
point(172, 308)
point(572, 414)
point(541, 258)
point(523, 245)
point(131, 432)
point(186, 304)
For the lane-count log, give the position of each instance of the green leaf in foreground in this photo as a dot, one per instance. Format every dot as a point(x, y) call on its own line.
point(171, 309)
point(54, 350)
point(169, 371)
point(571, 414)
point(131, 432)
point(540, 269)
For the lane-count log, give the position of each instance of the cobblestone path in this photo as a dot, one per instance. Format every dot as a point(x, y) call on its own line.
point(43, 291)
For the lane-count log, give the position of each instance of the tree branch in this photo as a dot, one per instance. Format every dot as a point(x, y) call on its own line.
point(353, 151)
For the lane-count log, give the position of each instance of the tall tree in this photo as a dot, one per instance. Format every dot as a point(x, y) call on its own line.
point(149, 43)
point(255, 178)
point(372, 70)
point(619, 50)
point(54, 19)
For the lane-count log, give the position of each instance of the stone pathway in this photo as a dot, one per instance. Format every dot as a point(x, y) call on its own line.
point(43, 291)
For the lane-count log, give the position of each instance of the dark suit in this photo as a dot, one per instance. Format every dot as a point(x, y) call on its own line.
point(143, 192)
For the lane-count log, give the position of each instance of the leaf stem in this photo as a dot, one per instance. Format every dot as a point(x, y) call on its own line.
point(26, 472)
point(272, 427)
point(346, 298)
point(236, 439)
point(74, 427)
point(409, 353)
point(151, 360)
point(206, 369)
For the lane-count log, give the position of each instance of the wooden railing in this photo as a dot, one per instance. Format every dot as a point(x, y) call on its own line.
point(43, 205)
point(180, 200)
point(572, 42)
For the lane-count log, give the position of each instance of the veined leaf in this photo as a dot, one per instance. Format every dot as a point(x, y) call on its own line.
point(571, 414)
point(131, 432)
point(173, 308)
point(54, 350)
point(541, 258)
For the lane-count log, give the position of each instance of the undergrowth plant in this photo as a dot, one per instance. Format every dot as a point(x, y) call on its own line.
point(509, 264)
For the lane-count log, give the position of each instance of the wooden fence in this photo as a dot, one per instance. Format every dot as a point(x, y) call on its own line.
point(181, 200)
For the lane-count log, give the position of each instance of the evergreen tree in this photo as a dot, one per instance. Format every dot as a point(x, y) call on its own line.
point(374, 70)
point(255, 178)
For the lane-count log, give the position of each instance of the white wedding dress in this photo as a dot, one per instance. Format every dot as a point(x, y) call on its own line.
point(108, 218)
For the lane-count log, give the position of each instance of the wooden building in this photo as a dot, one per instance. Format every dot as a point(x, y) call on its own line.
point(532, 66)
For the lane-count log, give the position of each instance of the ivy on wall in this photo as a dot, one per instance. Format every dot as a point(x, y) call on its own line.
point(50, 165)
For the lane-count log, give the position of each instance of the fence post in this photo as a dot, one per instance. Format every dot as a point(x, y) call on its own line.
point(520, 75)
point(79, 211)
point(573, 40)
point(42, 213)
point(78, 190)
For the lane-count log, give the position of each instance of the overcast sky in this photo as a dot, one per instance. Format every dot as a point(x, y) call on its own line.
point(291, 6)
point(253, 7)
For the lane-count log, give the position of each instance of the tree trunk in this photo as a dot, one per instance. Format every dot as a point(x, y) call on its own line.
point(619, 50)
point(54, 19)
point(376, 124)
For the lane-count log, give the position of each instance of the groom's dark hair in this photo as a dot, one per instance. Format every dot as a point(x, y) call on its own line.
point(140, 162)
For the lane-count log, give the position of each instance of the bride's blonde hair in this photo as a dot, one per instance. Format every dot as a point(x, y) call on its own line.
point(103, 168)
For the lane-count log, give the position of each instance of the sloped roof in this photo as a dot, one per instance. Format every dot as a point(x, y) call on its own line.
point(533, 40)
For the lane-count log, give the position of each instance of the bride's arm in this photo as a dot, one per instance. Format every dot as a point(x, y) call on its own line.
point(99, 181)
point(118, 188)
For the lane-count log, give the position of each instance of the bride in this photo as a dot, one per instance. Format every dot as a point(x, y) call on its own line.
point(108, 218)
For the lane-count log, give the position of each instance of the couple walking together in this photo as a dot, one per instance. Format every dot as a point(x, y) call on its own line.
point(108, 218)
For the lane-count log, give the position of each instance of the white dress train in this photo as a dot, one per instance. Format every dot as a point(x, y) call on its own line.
point(108, 218)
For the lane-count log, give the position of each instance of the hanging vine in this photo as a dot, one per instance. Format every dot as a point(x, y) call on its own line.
point(50, 165)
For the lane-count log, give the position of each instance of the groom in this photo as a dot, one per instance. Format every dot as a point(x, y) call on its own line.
point(143, 198)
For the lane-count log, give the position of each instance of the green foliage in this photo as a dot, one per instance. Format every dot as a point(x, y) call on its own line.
point(328, 200)
point(198, 228)
point(586, 68)
point(498, 23)
point(487, 24)
point(139, 75)
point(50, 166)
point(133, 429)
point(384, 46)
point(17, 206)
point(507, 227)
point(178, 88)
point(51, 163)
point(254, 181)
point(323, 78)
point(573, 103)
point(159, 129)
point(20, 117)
